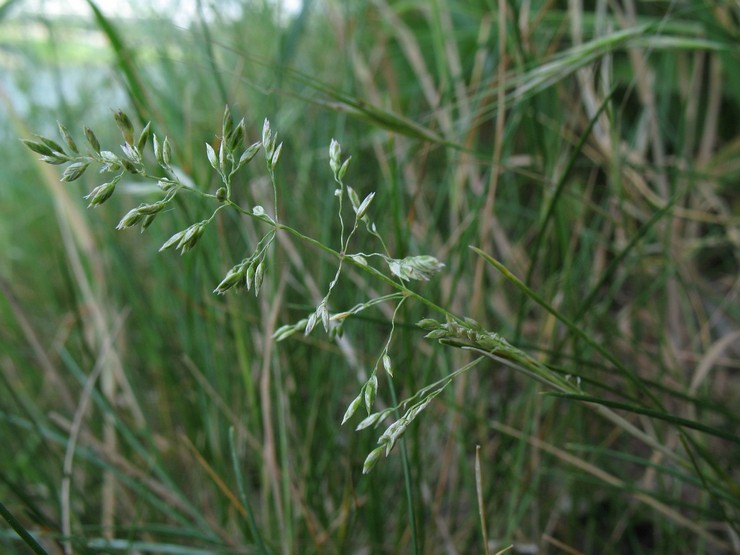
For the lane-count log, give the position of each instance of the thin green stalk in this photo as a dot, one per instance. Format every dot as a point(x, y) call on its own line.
point(27, 538)
point(125, 62)
point(559, 188)
point(369, 269)
point(216, 75)
point(630, 375)
point(658, 415)
point(146, 452)
point(610, 270)
point(571, 326)
point(415, 545)
point(251, 522)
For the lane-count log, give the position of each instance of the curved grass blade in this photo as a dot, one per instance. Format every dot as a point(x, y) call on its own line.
point(124, 61)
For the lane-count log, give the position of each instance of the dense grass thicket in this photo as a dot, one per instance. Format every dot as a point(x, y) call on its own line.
point(566, 383)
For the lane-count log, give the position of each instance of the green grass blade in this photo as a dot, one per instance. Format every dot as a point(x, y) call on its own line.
point(124, 59)
point(559, 188)
point(629, 374)
point(251, 522)
point(658, 415)
point(27, 538)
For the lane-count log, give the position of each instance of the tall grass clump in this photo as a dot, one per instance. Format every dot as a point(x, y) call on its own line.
point(428, 277)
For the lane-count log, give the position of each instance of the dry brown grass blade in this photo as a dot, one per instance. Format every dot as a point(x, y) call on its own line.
point(134, 470)
point(81, 410)
point(481, 504)
point(254, 442)
point(220, 484)
point(613, 481)
point(487, 218)
point(52, 375)
point(270, 308)
point(412, 50)
point(80, 245)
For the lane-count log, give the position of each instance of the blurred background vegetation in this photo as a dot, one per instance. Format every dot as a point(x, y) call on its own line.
point(591, 147)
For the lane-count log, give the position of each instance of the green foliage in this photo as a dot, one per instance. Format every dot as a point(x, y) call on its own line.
point(521, 290)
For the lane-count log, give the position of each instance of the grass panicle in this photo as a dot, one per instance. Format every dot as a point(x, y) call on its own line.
point(506, 323)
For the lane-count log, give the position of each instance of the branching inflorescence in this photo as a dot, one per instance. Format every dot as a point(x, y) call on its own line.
point(234, 153)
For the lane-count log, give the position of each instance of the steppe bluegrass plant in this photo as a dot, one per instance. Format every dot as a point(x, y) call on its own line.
point(234, 153)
